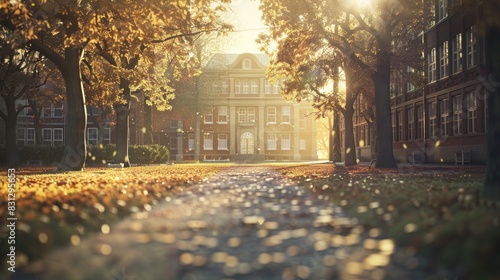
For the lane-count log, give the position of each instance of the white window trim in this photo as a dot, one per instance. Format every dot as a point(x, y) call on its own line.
point(191, 141)
point(54, 135)
point(173, 143)
point(219, 115)
point(288, 111)
point(271, 115)
point(221, 141)
point(272, 142)
point(96, 135)
point(209, 141)
point(286, 142)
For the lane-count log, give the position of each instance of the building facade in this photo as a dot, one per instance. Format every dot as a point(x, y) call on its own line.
point(447, 117)
point(242, 116)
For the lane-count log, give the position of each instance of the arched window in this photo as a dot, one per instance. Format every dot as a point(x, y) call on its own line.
point(247, 63)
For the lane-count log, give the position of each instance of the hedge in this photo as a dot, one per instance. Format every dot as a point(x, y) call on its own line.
point(96, 154)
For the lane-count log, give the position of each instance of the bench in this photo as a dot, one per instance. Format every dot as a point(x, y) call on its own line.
point(462, 157)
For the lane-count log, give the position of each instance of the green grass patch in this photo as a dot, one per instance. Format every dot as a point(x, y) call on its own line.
point(437, 214)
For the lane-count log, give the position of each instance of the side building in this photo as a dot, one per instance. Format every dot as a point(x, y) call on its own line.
point(445, 120)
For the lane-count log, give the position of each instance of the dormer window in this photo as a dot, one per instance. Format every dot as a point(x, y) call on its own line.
point(247, 63)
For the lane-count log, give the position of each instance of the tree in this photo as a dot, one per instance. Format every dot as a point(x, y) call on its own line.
point(384, 26)
point(489, 28)
point(63, 30)
point(19, 69)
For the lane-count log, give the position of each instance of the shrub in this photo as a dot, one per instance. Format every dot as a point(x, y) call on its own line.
point(47, 154)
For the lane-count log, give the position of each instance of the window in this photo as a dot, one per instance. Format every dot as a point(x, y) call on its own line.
point(457, 114)
point(208, 118)
point(409, 85)
point(222, 118)
point(285, 114)
point(191, 141)
point(445, 119)
point(237, 86)
point(271, 115)
point(432, 66)
point(432, 119)
point(471, 48)
point(173, 143)
point(302, 144)
point(433, 14)
point(222, 142)
point(246, 87)
point(208, 141)
point(276, 88)
point(254, 89)
point(247, 63)
point(457, 53)
point(242, 115)
point(20, 103)
point(400, 125)
point(443, 60)
point(471, 112)
point(30, 136)
point(420, 122)
point(285, 142)
point(46, 112)
point(267, 87)
point(251, 114)
point(58, 136)
point(411, 122)
point(302, 121)
point(92, 135)
point(21, 136)
point(47, 136)
point(58, 111)
point(107, 135)
point(271, 141)
point(443, 9)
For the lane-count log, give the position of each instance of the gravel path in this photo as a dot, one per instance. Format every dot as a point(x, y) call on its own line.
point(243, 223)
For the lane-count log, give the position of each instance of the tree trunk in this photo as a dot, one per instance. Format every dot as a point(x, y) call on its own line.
point(75, 151)
point(36, 123)
point(11, 156)
point(491, 186)
point(122, 125)
point(350, 145)
point(381, 80)
point(148, 122)
point(336, 153)
point(373, 140)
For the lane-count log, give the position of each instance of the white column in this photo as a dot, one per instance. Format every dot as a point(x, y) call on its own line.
point(232, 130)
point(296, 132)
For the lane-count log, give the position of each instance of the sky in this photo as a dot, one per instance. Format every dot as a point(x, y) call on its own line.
point(246, 18)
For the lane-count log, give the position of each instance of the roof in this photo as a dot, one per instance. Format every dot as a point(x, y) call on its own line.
point(224, 60)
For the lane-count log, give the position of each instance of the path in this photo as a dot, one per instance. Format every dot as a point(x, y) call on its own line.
point(243, 223)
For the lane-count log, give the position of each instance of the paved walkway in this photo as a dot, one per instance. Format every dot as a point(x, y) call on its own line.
point(244, 223)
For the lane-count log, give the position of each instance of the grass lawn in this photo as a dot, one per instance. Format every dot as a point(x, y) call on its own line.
point(434, 215)
point(56, 209)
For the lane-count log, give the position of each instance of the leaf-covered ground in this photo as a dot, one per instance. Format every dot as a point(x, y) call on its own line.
point(55, 209)
point(433, 213)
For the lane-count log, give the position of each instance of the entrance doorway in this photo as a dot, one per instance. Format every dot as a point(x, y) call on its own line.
point(247, 144)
